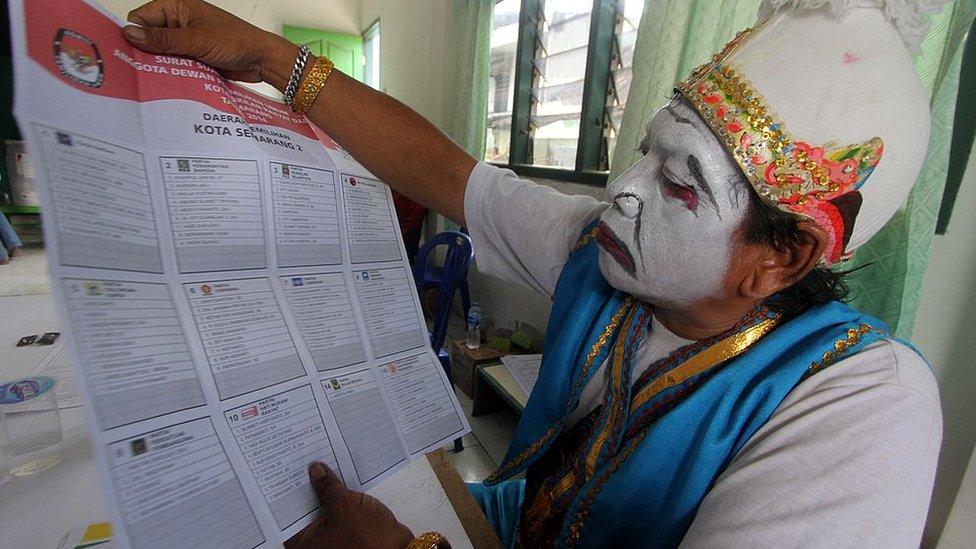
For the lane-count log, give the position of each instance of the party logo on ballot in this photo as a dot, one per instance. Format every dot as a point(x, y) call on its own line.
point(249, 412)
point(78, 58)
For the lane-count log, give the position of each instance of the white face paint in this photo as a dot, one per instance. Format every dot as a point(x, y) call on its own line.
point(667, 239)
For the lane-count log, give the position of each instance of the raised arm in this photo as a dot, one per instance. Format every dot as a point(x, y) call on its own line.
point(391, 140)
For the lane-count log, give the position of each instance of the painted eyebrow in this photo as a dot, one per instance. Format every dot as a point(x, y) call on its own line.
point(644, 142)
point(681, 119)
point(694, 166)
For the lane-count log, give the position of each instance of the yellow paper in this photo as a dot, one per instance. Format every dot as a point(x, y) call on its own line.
point(96, 533)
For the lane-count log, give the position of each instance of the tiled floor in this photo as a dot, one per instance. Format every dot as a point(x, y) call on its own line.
point(484, 448)
point(490, 434)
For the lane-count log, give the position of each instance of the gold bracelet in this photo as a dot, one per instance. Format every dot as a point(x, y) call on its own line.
point(428, 540)
point(311, 84)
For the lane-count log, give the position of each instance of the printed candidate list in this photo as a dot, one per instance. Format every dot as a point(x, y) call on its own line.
point(279, 436)
point(365, 423)
point(215, 213)
point(371, 225)
point(178, 490)
point(306, 216)
point(417, 392)
point(132, 349)
point(324, 312)
point(247, 344)
point(390, 310)
point(101, 203)
point(233, 287)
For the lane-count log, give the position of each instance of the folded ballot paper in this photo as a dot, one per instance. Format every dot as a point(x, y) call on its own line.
point(233, 286)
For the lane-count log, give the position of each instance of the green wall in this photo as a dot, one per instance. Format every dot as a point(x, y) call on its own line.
point(345, 50)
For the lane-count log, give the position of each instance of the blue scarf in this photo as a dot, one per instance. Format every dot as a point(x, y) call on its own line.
point(646, 490)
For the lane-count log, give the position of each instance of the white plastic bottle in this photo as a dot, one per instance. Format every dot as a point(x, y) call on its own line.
point(474, 327)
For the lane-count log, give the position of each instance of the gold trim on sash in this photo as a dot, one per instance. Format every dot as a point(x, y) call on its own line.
point(584, 509)
point(841, 346)
point(585, 239)
point(600, 343)
point(616, 382)
point(726, 349)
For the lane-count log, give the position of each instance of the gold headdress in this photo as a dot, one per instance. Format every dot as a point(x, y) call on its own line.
point(818, 182)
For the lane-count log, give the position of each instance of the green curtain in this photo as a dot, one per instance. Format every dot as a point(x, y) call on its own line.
point(466, 93)
point(676, 36)
point(466, 90)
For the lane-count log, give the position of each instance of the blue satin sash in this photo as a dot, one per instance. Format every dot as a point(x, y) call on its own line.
point(647, 492)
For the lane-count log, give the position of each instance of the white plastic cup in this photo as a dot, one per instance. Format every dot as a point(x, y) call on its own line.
point(30, 428)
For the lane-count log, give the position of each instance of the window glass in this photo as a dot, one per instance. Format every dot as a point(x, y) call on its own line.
point(501, 82)
point(558, 48)
point(557, 91)
point(371, 56)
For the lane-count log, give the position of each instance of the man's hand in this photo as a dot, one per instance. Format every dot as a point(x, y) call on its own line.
point(351, 519)
point(209, 34)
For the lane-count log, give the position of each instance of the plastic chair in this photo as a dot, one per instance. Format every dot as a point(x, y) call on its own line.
point(447, 278)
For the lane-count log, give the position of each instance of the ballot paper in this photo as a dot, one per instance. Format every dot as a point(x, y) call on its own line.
point(524, 369)
point(232, 284)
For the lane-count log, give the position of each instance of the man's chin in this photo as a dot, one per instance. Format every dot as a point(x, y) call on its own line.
point(614, 273)
point(619, 279)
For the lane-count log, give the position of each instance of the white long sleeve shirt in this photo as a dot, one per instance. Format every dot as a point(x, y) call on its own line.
point(847, 460)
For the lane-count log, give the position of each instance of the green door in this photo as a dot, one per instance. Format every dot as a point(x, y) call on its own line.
point(345, 50)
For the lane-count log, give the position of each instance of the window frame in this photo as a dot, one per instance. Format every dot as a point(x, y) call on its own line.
point(591, 150)
point(371, 32)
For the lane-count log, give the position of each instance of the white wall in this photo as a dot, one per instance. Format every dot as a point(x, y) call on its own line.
point(272, 15)
point(945, 333)
point(412, 51)
point(959, 532)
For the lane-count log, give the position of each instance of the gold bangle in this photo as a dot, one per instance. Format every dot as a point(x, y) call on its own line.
point(311, 84)
point(428, 540)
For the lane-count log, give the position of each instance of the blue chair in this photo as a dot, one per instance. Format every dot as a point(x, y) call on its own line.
point(446, 278)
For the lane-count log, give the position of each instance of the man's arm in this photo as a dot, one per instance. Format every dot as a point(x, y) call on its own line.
point(524, 232)
point(392, 141)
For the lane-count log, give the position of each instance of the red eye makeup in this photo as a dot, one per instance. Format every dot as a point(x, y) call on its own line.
point(685, 193)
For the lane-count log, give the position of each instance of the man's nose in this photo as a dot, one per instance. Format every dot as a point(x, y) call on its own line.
point(628, 204)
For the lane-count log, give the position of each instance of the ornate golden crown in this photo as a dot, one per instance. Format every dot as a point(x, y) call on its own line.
point(817, 182)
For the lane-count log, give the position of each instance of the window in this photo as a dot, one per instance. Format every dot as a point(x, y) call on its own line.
point(501, 81)
point(559, 77)
point(371, 56)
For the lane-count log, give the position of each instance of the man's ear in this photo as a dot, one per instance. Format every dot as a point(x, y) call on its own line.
point(776, 270)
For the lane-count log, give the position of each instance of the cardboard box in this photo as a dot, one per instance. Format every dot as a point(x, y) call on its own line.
point(465, 362)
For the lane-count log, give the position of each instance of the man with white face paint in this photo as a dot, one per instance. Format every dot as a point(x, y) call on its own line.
point(701, 221)
point(701, 383)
